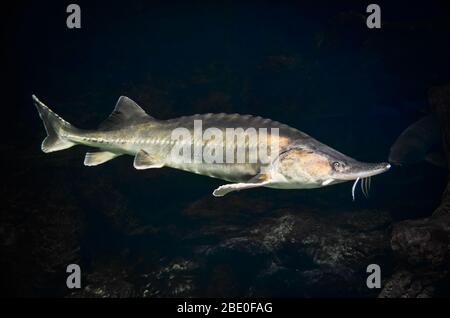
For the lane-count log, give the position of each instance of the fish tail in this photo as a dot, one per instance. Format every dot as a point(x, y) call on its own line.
point(56, 128)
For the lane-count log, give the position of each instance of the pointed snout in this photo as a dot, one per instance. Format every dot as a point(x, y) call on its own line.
point(364, 170)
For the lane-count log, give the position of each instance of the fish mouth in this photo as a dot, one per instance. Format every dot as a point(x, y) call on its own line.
point(361, 170)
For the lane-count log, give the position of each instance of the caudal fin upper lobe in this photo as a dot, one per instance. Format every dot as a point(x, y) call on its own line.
point(55, 127)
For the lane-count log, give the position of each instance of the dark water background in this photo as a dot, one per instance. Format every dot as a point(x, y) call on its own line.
point(314, 66)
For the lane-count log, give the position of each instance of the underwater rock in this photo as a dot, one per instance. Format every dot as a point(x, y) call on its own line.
point(106, 282)
point(422, 242)
point(405, 284)
point(293, 251)
point(173, 279)
point(341, 240)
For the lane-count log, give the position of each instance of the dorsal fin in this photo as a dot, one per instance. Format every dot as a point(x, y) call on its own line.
point(125, 113)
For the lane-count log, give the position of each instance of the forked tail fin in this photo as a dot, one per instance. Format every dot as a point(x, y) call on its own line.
point(55, 127)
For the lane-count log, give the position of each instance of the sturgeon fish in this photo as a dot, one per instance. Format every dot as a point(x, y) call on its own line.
point(297, 162)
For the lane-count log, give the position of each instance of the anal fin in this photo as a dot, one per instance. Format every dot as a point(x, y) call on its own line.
point(259, 180)
point(144, 160)
point(96, 158)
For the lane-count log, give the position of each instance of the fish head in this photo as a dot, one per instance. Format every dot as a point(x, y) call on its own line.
point(348, 170)
point(316, 164)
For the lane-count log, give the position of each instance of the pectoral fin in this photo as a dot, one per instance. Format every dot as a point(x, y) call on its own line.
point(144, 160)
point(327, 182)
point(258, 181)
point(96, 158)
